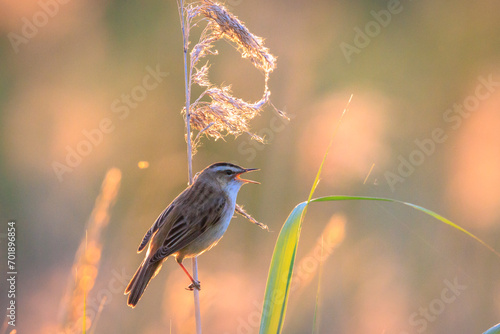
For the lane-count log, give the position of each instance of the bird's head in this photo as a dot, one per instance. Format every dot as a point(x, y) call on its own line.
point(225, 174)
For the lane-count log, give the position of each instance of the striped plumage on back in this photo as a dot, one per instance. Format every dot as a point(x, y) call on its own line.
point(193, 223)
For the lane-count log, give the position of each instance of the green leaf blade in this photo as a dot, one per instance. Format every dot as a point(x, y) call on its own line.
point(282, 263)
point(280, 273)
point(414, 206)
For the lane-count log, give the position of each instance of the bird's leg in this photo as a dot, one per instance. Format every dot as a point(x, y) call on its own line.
point(194, 284)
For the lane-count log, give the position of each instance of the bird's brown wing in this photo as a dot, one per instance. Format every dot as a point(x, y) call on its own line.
point(187, 228)
point(162, 218)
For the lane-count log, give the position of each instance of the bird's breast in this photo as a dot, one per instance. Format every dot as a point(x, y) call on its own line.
point(212, 235)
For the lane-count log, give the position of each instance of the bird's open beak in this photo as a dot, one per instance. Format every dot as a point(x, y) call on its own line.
point(246, 171)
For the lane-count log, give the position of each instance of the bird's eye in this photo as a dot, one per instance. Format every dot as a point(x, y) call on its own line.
point(229, 172)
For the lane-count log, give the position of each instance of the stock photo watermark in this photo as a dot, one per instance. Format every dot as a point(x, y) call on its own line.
point(372, 29)
point(47, 10)
point(121, 107)
point(250, 147)
point(11, 273)
point(231, 4)
point(420, 319)
point(454, 116)
point(303, 273)
point(97, 300)
point(30, 27)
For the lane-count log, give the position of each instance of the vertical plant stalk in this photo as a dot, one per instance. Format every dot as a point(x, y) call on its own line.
point(185, 25)
point(72, 311)
point(223, 113)
point(187, 85)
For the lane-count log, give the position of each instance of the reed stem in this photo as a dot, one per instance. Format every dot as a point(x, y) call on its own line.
point(187, 84)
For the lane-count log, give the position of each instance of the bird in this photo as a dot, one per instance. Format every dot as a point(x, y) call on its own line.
point(190, 225)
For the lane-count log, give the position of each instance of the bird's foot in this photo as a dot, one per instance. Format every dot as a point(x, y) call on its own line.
point(194, 285)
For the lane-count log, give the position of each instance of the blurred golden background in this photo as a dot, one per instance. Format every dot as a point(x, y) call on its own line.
point(87, 86)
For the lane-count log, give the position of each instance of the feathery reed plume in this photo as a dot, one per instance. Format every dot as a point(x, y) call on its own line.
point(233, 29)
point(87, 258)
point(224, 113)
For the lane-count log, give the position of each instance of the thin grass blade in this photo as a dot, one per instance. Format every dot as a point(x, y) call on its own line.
point(414, 206)
point(282, 262)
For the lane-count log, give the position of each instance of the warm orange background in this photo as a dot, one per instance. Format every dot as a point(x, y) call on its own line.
point(392, 261)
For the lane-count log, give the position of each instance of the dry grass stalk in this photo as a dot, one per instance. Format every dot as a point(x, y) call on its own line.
point(87, 258)
point(239, 209)
point(224, 114)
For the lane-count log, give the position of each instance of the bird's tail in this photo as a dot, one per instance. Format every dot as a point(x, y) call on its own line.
point(140, 281)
